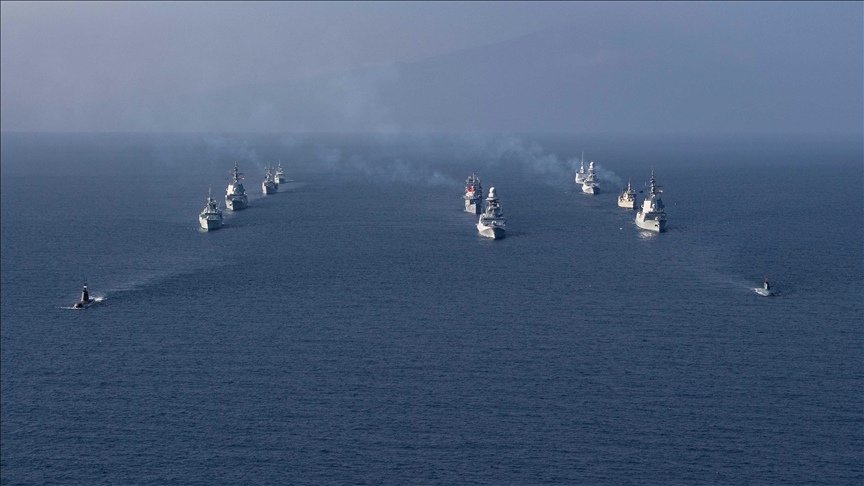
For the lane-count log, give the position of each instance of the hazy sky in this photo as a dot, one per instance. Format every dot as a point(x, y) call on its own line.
point(97, 48)
point(74, 56)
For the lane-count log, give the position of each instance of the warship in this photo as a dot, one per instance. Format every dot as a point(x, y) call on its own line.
point(235, 195)
point(473, 195)
point(280, 174)
point(651, 216)
point(627, 198)
point(85, 301)
point(590, 184)
point(491, 223)
point(580, 174)
point(765, 290)
point(211, 217)
point(269, 186)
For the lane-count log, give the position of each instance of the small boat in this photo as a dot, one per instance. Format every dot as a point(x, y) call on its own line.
point(627, 198)
point(85, 301)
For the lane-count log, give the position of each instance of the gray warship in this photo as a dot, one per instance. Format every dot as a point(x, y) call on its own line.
point(473, 195)
point(491, 223)
point(280, 174)
point(85, 301)
point(235, 195)
point(652, 215)
point(269, 186)
point(211, 217)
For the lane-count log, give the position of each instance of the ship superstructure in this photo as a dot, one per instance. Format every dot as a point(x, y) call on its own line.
point(211, 217)
point(85, 301)
point(473, 195)
point(652, 215)
point(235, 195)
point(492, 223)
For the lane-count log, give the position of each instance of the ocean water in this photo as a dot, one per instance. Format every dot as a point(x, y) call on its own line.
point(354, 327)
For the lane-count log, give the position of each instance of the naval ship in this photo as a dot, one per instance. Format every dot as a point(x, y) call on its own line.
point(491, 223)
point(627, 199)
point(280, 175)
point(473, 195)
point(590, 184)
point(766, 290)
point(235, 195)
point(651, 216)
point(269, 186)
point(85, 301)
point(580, 174)
point(211, 217)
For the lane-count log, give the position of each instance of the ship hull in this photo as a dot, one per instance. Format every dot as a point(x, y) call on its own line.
point(269, 188)
point(236, 203)
point(474, 206)
point(623, 203)
point(587, 189)
point(491, 232)
point(651, 224)
point(83, 304)
point(210, 224)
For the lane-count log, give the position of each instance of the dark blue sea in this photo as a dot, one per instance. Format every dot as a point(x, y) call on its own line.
point(354, 328)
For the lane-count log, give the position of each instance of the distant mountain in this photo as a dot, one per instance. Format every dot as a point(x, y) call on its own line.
point(791, 78)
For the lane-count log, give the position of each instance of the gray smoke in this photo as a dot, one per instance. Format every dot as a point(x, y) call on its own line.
point(227, 151)
point(607, 176)
point(381, 171)
point(532, 158)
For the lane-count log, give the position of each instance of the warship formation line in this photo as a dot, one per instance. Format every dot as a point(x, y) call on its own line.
point(651, 214)
point(235, 196)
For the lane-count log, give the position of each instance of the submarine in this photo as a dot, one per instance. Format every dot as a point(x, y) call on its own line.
point(766, 289)
point(85, 299)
